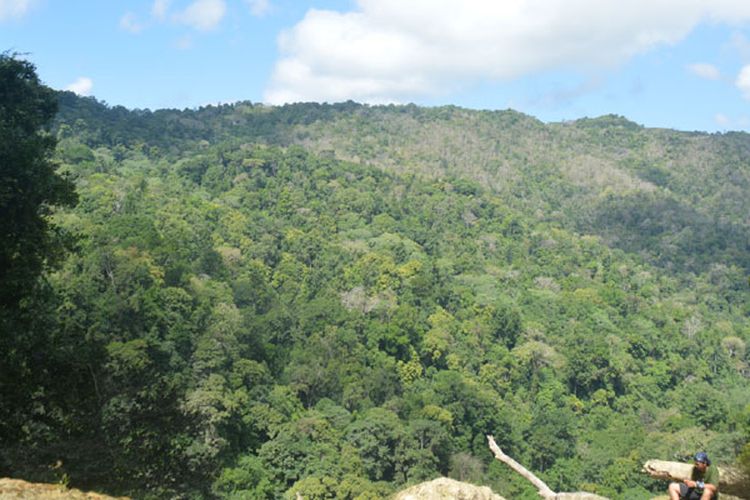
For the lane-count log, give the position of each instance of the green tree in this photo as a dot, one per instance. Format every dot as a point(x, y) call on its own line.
point(30, 188)
point(302, 448)
point(29, 185)
point(247, 479)
point(376, 436)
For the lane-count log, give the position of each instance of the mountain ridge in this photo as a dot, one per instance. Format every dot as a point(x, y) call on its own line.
point(603, 176)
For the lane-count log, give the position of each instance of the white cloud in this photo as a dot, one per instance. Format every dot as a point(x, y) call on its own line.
point(259, 8)
point(159, 9)
point(743, 82)
point(13, 9)
point(82, 86)
point(732, 123)
point(129, 22)
point(203, 15)
point(704, 70)
point(390, 50)
point(741, 44)
point(722, 120)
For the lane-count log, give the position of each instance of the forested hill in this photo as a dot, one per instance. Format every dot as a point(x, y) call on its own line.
point(678, 199)
point(342, 300)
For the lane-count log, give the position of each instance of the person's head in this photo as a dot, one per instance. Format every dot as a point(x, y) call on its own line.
point(701, 460)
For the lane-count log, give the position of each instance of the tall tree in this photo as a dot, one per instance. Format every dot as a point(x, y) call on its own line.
point(29, 189)
point(29, 183)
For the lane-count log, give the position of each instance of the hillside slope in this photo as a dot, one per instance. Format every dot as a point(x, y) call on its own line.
point(680, 199)
point(249, 314)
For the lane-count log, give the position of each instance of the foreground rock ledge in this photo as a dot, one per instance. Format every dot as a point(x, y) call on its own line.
point(17, 488)
point(447, 489)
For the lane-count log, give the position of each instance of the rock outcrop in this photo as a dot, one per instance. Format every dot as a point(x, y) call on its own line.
point(447, 489)
point(11, 489)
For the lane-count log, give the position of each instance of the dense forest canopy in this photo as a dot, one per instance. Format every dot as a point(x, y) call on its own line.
point(339, 300)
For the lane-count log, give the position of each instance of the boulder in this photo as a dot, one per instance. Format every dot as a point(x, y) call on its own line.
point(447, 489)
point(11, 489)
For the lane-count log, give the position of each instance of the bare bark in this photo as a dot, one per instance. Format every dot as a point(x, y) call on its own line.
point(731, 481)
point(544, 490)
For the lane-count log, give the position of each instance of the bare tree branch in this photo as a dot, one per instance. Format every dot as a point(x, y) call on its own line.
point(544, 490)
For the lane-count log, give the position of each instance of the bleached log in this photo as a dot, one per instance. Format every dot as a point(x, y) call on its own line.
point(731, 480)
point(544, 490)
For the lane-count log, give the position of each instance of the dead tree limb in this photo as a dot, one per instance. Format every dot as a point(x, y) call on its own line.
point(544, 490)
point(732, 481)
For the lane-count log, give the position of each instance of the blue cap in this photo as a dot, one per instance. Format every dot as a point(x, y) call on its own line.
point(702, 457)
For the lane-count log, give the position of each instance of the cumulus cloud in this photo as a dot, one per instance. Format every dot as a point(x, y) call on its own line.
point(741, 44)
point(129, 22)
point(732, 123)
point(82, 86)
point(203, 15)
point(390, 50)
point(743, 82)
point(722, 120)
point(13, 9)
point(704, 70)
point(259, 8)
point(159, 9)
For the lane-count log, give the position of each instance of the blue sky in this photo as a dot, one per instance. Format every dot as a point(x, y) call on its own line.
point(682, 64)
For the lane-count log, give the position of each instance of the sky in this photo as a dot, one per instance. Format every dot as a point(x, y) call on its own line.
point(681, 64)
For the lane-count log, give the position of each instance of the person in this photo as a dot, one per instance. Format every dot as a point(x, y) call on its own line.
point(702, 485)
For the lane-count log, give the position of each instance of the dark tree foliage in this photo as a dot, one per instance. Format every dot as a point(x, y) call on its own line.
point(29, 244)
point(29, 185)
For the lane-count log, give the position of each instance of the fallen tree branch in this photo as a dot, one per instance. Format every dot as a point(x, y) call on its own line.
point(731, 481)
point(544, 490)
